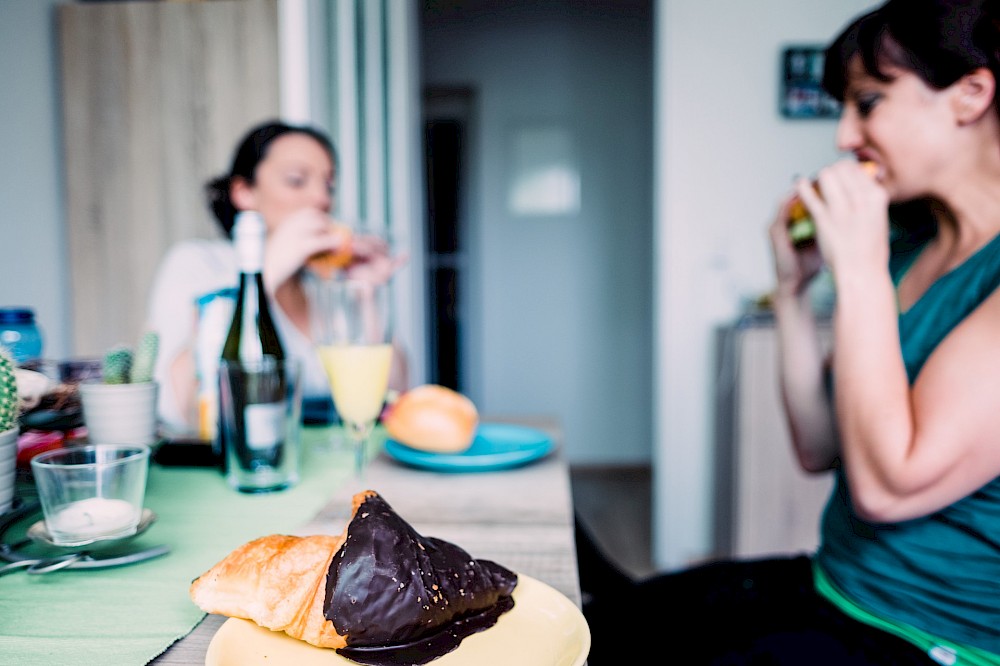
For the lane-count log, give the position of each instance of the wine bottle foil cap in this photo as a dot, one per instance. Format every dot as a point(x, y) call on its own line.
point(249, 222)
point(248, 235)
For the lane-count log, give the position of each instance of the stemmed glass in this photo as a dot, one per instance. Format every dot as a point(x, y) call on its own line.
point(351, 322)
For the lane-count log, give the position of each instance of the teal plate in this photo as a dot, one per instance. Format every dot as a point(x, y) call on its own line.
point(496, 446)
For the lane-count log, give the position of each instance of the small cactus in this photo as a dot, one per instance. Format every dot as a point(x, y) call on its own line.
point(122, 365)
point(145, 358)
point(117, 365)
point(9, 406)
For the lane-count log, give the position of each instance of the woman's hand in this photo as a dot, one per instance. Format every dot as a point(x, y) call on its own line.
point(851, 217)
point(293, 241)
point(371, 260)
point(309, 232)
point(794, 268)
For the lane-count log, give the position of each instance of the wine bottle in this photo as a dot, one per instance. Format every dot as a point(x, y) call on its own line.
point(252, 346)
point(252, 334)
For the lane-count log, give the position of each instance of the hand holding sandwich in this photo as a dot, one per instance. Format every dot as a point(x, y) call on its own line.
point(847, 210)
point(301, 235)
point(851, 216)
point(311, 238)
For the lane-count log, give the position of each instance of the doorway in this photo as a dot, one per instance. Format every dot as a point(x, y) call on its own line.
point(447, 117)
point(552, 303)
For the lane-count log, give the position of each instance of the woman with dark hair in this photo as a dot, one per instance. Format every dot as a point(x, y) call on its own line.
point(249, 154)
point(908, 416)
point(288, 174)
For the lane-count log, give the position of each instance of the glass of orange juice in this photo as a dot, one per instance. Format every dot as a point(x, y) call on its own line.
point(351, 324)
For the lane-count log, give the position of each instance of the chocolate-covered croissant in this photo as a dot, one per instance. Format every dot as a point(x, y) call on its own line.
point(380, 593)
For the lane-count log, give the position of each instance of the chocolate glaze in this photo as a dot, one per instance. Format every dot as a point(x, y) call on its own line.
point(432, 646)
point(402, 598)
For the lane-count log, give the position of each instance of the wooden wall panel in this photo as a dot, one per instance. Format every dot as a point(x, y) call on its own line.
point(779, 504)
point(155, 96)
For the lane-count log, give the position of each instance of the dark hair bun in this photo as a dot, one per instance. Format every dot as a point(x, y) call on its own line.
point(217, 194)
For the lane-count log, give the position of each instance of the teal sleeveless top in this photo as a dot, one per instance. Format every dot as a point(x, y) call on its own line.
point(939, 573)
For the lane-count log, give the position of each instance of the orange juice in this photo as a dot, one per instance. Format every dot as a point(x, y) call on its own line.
point(359, 379)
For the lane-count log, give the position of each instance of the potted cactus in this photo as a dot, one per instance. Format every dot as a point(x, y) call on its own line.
point(122, 365)
point(9, 429)
point(120, 408)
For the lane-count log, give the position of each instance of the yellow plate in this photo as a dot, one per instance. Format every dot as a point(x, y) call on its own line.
point(543, 629)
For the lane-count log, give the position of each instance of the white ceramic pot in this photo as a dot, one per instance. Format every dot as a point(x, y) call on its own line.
point(8, 467)
point(119, 413)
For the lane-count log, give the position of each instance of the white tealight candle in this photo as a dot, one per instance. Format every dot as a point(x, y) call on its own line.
point(91, 518)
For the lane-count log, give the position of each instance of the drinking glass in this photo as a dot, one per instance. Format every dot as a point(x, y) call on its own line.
point(351, 323)
point(91, 493)
point(260, 421)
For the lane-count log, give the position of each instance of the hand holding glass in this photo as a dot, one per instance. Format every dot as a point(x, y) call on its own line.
point(352, 328)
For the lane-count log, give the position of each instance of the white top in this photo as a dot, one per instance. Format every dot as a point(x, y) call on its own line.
point(193, 269)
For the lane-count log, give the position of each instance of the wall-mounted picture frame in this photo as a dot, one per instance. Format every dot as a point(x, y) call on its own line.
point(802, 94)
point(543, 178)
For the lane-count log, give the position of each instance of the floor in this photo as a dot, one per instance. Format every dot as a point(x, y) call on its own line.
point(615, 503)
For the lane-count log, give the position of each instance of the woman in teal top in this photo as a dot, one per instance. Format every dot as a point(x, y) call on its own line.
point(908, 568)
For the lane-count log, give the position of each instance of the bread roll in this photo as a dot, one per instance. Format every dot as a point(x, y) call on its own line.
point(433, 418)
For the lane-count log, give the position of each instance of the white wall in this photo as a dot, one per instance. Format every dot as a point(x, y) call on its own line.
point(33, 269)
point(724, 157)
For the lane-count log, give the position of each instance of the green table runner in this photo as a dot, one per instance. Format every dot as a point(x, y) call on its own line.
point(130, 614)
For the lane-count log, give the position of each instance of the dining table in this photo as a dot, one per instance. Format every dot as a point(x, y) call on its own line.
point(518, 514)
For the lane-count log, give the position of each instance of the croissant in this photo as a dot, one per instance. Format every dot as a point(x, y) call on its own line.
point(278, 582)
point(380, 593)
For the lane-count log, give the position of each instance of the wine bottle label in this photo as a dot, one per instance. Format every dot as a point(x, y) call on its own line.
point(264, 424)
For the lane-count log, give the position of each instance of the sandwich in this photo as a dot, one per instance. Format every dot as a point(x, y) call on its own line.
point(325, 264)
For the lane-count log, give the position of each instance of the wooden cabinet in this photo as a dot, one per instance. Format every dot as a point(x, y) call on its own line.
point(765, 503)
point(155, 96)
